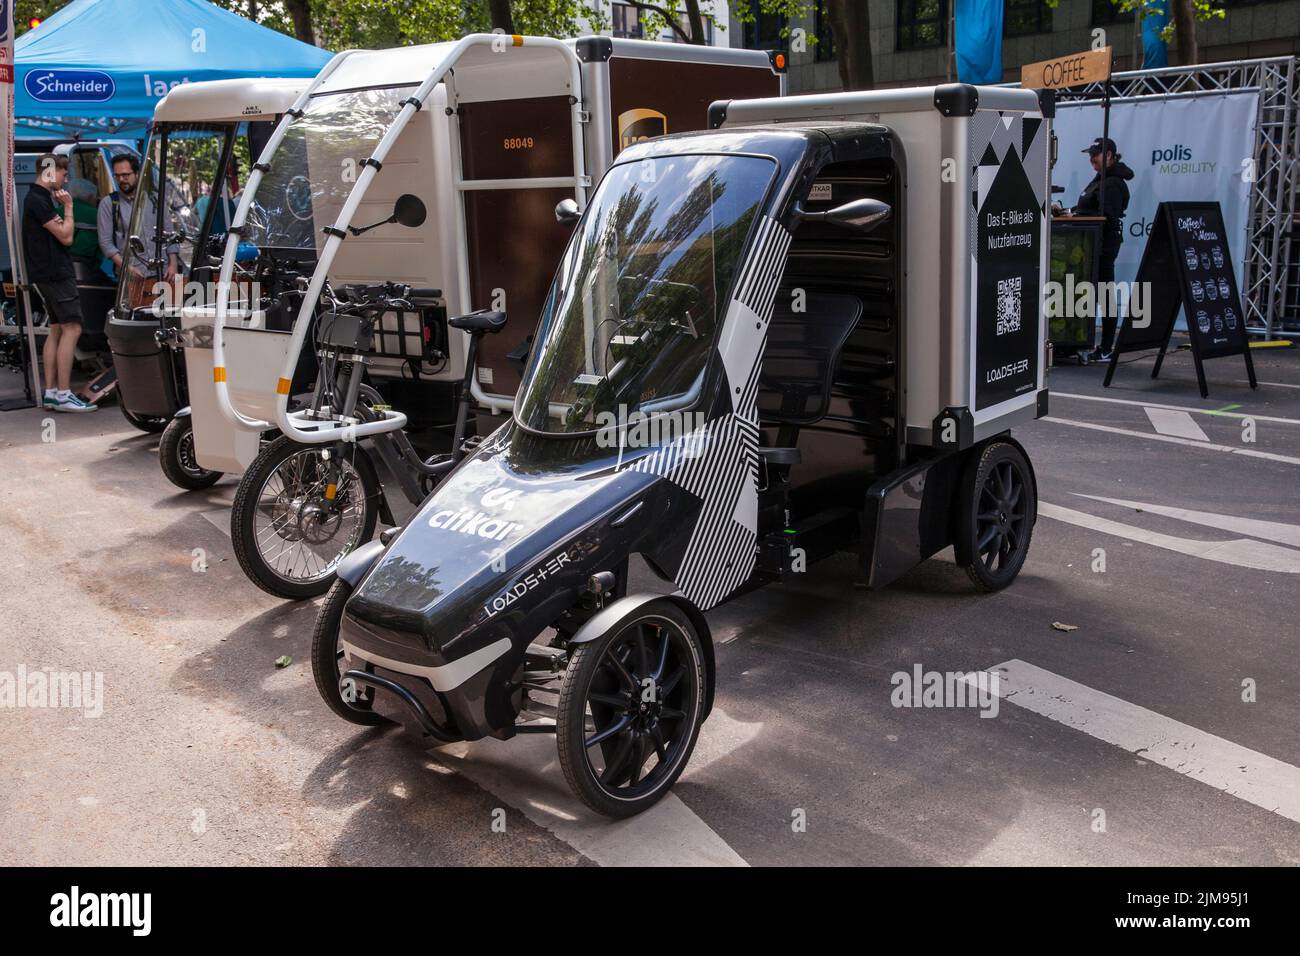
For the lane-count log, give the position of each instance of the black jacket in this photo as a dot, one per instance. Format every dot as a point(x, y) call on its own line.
point(1089, 204)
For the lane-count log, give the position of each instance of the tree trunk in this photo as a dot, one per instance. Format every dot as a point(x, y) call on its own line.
point(300, 13)
point(696, 20)
point(673, 23)
point(502, 18)
point(1189, 51)
point(852, 28)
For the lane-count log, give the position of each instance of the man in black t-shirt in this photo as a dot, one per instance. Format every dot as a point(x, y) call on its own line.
point(48, 228)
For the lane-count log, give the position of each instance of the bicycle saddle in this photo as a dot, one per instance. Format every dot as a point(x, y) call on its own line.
point(479, 322)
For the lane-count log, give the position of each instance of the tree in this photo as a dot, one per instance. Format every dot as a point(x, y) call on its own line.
point(501, 16)
point(24, 10)
point(850, 20)
point(1181, 28)
point(300, 13)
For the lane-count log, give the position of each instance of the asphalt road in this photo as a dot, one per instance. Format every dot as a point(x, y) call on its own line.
point(1124, 741)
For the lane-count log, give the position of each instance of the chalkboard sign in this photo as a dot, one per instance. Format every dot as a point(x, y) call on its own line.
point(1187, 263)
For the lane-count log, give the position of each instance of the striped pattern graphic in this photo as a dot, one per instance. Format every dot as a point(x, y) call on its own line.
point(718, 463)
point(758, 280)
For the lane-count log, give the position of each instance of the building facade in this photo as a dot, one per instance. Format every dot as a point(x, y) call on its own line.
point(625, 20)
point(911, 40)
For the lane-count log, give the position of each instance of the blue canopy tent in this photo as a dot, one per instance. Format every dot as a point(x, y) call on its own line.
point(97, 68)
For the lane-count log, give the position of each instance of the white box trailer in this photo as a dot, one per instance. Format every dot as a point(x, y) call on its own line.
point(490, 131)
point(975, 224)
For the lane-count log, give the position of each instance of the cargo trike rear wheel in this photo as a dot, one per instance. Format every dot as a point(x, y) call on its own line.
point(178, 458)
point(996, 515)
point(630, 710)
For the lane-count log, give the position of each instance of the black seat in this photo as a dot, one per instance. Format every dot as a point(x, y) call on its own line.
point(799, 362)
point(479, 322)
point(802, 353)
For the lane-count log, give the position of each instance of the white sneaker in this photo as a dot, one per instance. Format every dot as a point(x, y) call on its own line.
point(51, 398)
point(67, 402)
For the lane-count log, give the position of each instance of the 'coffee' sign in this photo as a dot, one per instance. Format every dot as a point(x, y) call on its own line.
point(1077, 69)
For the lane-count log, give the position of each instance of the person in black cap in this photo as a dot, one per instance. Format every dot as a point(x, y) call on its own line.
point(1112, 206)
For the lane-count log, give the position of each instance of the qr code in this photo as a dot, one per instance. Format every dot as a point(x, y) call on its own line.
point(1009, 305)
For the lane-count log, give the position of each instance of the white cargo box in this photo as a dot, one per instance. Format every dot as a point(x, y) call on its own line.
point(976, 228)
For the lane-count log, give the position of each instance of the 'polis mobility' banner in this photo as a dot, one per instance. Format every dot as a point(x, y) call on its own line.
point(1182, 148)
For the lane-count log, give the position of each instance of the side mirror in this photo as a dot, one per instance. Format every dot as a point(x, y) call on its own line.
point(136, 244)
point(567, 212)
point(862, 214)
point(409, 211)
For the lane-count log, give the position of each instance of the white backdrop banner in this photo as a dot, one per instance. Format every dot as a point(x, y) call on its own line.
point(1191, 148)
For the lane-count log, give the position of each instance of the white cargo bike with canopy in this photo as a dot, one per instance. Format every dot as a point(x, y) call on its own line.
point(202, 136)
point(496, 132)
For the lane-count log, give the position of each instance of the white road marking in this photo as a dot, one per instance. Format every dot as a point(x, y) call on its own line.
point(525, 772)
point(1242, 552)
point(1167, 421)
point(1172, 439)
point(1255, 527)
point(1242, 773)
point(1180, 408)
point(1280, 384)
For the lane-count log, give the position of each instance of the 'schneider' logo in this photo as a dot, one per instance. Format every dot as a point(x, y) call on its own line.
point(69, 86)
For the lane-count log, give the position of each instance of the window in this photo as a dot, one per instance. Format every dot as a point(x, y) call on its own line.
point(824, 49)
point(1024, 17)
point(627, 22)
point(921, 24)
point(1105, 12)
point(764, 31)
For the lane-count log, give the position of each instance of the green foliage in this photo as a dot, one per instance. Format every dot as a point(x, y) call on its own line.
point(1202, 9)
point(343, 24)
point(24, 10)
point(374, 24)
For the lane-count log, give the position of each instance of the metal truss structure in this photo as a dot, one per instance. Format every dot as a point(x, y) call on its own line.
point(1267, 264)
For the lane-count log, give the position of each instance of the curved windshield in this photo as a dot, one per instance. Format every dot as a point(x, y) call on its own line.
point(188, 156)
point(316, 166)
point(641, 292)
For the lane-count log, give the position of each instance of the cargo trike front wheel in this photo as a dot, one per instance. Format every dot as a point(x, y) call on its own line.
point(630, 710)
point(299, 510)
point(351, 701)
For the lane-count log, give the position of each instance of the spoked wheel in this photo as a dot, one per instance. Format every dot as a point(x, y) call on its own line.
point(178, 460)
point(997, 515)
point(151, 424)
point(630, 710)
point(295, 518)
point(328, 663)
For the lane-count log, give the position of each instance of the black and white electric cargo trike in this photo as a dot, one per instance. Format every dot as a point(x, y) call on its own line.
point(766, 343)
